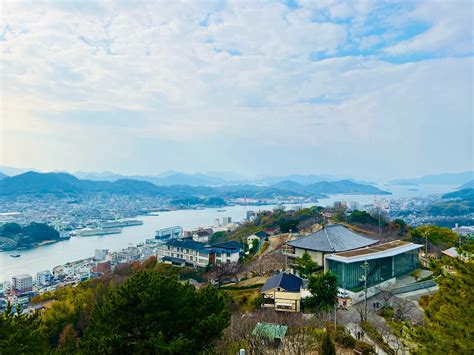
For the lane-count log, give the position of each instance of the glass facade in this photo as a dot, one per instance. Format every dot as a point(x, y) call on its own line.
point(350, 276)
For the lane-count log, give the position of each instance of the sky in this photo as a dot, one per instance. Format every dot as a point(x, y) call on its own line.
point(355, 88)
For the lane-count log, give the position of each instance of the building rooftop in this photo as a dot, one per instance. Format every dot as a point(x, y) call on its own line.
point(270, 330)
point(231, 244)
point(375, 252)
point(288, 282)
point(332, 238)
point(186, 243)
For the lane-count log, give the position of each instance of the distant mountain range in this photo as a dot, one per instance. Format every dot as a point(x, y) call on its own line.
point(438, 179)
point(63, 183)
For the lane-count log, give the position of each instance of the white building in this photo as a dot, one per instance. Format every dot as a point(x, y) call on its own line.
point(44, 278)
point(22, 283)
point(101, 254)
point(226, 221)
point(189, 252)
point(169, 233)
point(202, 236)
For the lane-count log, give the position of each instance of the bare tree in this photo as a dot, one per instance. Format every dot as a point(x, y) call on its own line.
point(224, 272)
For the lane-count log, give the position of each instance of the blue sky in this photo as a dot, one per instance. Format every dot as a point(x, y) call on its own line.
point(359, 88)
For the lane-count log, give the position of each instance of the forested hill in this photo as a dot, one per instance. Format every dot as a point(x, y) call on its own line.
point(63, 183)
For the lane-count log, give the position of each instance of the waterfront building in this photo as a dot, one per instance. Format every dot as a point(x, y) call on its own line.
point(22, 283)
point(44, 278)
point(330, 239)
point(169, 233)
point(382, 264)
point(101, 254)
point(197, 254)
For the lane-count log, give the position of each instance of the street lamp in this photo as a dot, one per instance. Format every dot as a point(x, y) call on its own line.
point(365, 267)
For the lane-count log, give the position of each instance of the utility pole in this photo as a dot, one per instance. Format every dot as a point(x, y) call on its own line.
point(365, 267)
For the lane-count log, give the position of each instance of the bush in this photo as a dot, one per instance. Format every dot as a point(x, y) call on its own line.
point(365, 348)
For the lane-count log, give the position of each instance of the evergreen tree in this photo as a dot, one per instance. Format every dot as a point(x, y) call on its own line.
point(327, 345)
point(19, 333)
point(305, 265)
point(323, 288)
point(153, 313)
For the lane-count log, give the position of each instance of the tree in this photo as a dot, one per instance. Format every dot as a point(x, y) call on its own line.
point(323, 288)
point(305, 265)
point(223, 272)
point(254, 247)
point(19, 333)
point(153, 313)
point(327, 345)
point(438, 237)
point(287, 225)
point(449, 314)
point(10, 229)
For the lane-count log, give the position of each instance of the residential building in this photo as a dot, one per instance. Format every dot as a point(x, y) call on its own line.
point(260, 235)
point(384, 263)
point(202, 235)
point(44, 278)
point(197, 254)
point(22, 283)
point(330, 239)
point(283, 292)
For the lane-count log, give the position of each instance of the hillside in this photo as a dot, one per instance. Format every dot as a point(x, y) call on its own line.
point(438, 179)
point(464, 194)
point(63, 183)
point(346, 187)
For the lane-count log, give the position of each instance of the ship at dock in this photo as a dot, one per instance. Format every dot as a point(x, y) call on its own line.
point(87, 232)
point(121, 223)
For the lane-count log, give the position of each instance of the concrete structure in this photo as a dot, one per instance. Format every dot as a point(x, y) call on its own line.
point(100, 254)
point(169, 233)
point(331, 239)
point(44, 278)
point(283, 292)
point(197, 254)
point(22, 283)
point(385, 262)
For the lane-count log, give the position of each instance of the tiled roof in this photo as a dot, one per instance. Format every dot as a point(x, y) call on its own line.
point(231, 244)
point(332, 238)
point(288, 282)
point(185, 243)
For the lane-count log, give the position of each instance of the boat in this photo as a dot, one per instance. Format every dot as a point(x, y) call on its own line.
point(221, 210)
point(87, 232)
point(122, 223)
point(15, 255)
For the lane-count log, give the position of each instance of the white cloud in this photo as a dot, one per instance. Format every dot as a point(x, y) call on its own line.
point(199, 71)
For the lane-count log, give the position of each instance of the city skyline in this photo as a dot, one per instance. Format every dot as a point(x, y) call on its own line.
point(363, 89)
